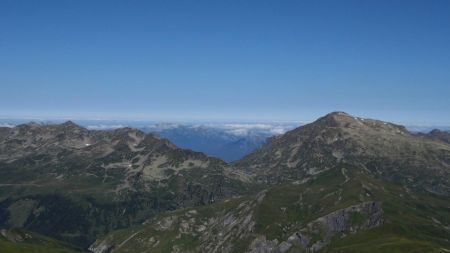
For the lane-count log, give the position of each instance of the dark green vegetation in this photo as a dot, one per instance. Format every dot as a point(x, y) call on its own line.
point(19, 241)
point(407, 222)
point(389, 151)
point(74, 184)
point(340, 184)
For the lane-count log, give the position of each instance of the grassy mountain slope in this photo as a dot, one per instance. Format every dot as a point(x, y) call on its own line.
point(340, 184)
point(389, 151)
point(341, 210)
point(73, 184)
point(16, 240)
point(438, 135)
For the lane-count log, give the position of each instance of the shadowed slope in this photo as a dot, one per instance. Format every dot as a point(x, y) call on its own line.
point(73, 183)
point(339, 184)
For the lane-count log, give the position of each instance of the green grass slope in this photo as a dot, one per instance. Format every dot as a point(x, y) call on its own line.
point(75, 184)
point(19, 241)
point(411, 221)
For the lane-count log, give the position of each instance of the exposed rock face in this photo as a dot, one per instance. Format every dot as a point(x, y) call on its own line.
point(339, 223)
point(85, 182)
point(14, 236)
point(330, 181)
point(216, 232)
point(222, 231)
point(102, 249)
point(262, 245)
point(318, 233)
point(388, 150)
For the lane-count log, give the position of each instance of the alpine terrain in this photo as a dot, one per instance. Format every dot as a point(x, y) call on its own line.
point(75, 184)
point(339, 184)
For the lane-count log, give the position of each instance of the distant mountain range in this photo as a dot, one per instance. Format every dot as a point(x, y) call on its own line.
point(228, 141)
point(339, 184)
point(75, 184)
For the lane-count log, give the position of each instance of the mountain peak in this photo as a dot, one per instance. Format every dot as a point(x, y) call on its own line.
point(69, 123)
point(347, 121)
point(435, 131)
point(28, 126)
point(338, 114)
point(338, 119)
point(70, 126)
point(440, 135)
point(341, 116)
point(335, 136)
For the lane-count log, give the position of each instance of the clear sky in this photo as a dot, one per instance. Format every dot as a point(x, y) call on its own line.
point(226, 59)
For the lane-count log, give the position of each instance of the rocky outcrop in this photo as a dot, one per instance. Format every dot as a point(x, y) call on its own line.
point(388, 150)
point(14, 236)
point(97, 181)
point(215, 231)
point(102, 249)
point(262, 245)
point(318, 233)
point(221, 230)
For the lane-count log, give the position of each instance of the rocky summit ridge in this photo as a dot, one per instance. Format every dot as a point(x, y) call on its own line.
point(85, 182)
point(387, 150)
point(339, 184)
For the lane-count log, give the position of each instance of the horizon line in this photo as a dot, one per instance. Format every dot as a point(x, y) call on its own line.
point(49, 119)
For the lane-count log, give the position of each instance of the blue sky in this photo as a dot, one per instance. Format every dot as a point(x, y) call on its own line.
point(218, 60)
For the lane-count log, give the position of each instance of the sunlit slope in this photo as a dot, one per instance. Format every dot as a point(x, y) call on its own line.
point(341, 210)
point(74, 184)
point(387, 150)
point(339, 184)
point(20, 241)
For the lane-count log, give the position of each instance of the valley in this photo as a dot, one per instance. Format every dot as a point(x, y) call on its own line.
point(339, 184)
